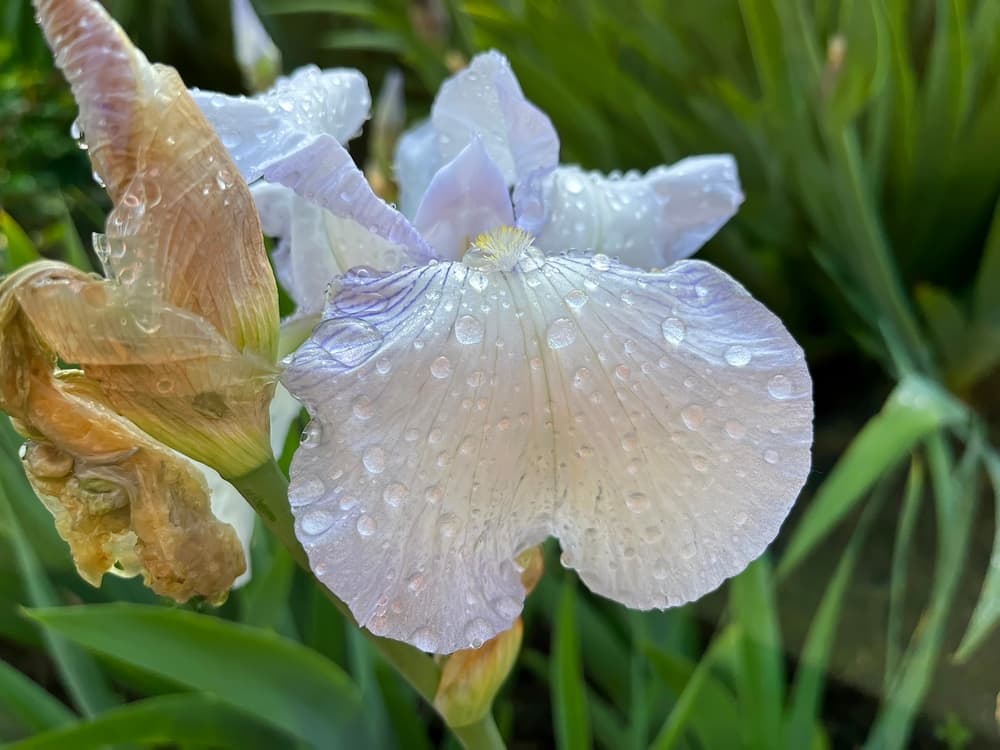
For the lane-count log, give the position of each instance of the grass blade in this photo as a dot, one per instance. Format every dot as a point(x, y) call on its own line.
point(569, 703)
point(29, 704)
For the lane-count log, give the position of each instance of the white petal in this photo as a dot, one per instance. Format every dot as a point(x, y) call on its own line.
point(314, 246)
point(647, 221)
point(467, 197)
point(324, 174)
point(658, 424)
point(484, 101)
point(266, 129)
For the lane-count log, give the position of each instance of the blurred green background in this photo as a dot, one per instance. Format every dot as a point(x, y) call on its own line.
point(867, 134)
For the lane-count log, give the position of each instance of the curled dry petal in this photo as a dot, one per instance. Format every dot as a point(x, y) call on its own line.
point(121, 500)
point(657, 423)
point(183, 252)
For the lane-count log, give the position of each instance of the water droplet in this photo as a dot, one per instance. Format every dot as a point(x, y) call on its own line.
point(507, 607)
point(674, 330)
point(468, 330)
point(736, 430)
point(699, 462)
point(411, 435)
point(693, 416)
point(441, 367)
point(383, 366)
point(503, 424)
point(740, 519)
point(637, 502)
point(366, 525)
point(164, 385)
point(771, 456)
point(395, 494)
point(468, 445)
point(630, 441)
point(434, 494)
point(478, 280)
point(349, 341)
point(477, 632)
point(448, 525)
point(362, 408)
point(573, 184)
point(576, 299)
point(561, 333)
point(779, 387)
point(416, 582)
point(582, 379)
point(316, 522)
point(623, 372)
point(600, 262)
point(347, 502)
point(309, 491)
point(738, 355)
point(425, 639)
point(374, 460)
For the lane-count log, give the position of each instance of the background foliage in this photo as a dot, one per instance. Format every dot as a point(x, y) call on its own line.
point(868, 138)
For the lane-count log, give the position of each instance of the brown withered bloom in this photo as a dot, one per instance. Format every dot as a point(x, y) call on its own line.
point(120, 499)
point(182, 335)
point(172, 350)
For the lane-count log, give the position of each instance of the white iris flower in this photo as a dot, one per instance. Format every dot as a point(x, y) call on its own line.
point(526, 376)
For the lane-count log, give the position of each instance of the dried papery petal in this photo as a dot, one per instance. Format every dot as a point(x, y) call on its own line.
point(121, 500)
point(183, 229)
point(658, 424)
point(167, 370)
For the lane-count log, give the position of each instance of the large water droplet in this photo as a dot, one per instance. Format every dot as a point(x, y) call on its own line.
point(693, 416)
point(311, 435)
point(441, 367)
point(316, 522)
point(738, 355)
point(674, 330)
point(477, 632)
point(468, 330)
point(366, 525)
point(573, 184)
point(374, 459)
point(561, 333)
point(779, 387)
point(395, 494)
point(349, 341)
point(425, 639)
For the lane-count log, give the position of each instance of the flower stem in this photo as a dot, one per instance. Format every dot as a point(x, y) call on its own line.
point(266, 489)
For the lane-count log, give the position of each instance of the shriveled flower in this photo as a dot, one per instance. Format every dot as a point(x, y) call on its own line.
point(509, 387)
point(121, 500)
point(182, 335)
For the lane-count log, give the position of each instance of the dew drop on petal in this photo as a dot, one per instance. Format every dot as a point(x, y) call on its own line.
point(600, 262)
point(507, 607)
point(693, 416)
point(374, 459)
point(735, 429)
point(362, 407)
point(383, 366)
point(630, 441)
point(478, 281)
point(434, 494)
point(425, 639)
point(366, 525)
point(561, 333)
point(316, 522)
point(674, 330)
point(637, 502)
point(395, 494)
point(576, 299)
point(779, 387)
point(309, 491)
point(771, 456)
point(441, 368)
point(347, 502)
point(738, 355)
point(348, 341)
point(573, 184)
point(468, 330)
point(477, 632)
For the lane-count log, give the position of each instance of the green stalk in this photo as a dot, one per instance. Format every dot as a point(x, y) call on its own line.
point(266, 489)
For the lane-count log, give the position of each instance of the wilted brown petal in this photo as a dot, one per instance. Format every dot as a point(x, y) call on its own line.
point(120, 499)
point(184, 227)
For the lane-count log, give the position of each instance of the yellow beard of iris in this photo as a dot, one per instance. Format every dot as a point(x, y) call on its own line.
point(499, 249)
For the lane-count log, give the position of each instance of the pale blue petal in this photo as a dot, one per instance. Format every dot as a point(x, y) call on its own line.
point(324, 174)
point(658, 424)
point(648, 221)
point(467, 197)
point(264, 130)
point(484, 101)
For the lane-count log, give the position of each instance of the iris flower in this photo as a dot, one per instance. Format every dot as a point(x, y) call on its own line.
point(173, 349)
point(527, 373)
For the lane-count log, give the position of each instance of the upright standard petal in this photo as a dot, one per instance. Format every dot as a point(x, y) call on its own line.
point(648, 221)
point(483, 101)
point(268, 128)
point(467, 197)
point(657, 423)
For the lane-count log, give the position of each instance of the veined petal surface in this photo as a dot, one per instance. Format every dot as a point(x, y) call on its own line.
point(483, 101)
point(649, 220)
point(265, 129)
point(657, 423)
